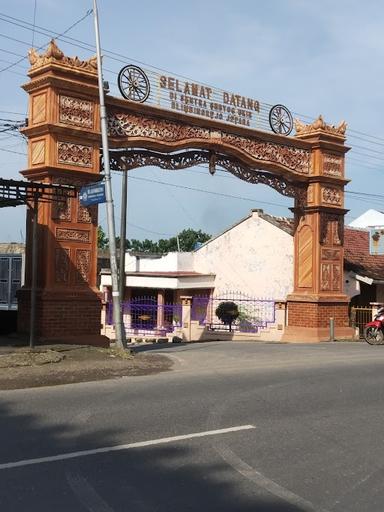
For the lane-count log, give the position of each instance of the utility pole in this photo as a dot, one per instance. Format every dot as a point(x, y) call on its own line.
point(117, 313)
point(32, 322)
point(123, 233)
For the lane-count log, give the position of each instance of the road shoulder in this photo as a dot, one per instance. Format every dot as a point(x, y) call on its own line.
point(54, 365)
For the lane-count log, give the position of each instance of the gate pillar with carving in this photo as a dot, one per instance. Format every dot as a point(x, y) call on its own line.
point(63, 147)
point(318, 241)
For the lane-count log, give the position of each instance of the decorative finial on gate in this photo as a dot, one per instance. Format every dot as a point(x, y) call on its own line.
point(53, 54)
point(33, 56)
point(320, 125)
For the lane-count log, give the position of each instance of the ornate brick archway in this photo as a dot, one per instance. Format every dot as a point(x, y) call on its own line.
point(64, 141)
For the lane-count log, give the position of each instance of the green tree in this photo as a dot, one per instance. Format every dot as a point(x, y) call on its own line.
point(102, 240)
point(188, 238)
point(227, 312)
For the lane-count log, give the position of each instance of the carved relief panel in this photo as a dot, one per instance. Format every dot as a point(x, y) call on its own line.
point(331, 196)
point(325, 277)
point(83, 262)
point(333, 165)
point(330, 254)
point(133, 125)
point(62, 265)
point(86, 214)
point(296, 159)
point(330, 279)
point(79, 155)
point(72, 235)
point(336, 277)
point(61, 210)
point(76, 112)
point(331, 229)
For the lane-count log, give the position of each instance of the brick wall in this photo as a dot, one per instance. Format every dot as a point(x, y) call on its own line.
point(61, 317)
point(312, 314)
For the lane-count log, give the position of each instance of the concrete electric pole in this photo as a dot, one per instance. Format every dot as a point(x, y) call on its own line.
point(117, 313)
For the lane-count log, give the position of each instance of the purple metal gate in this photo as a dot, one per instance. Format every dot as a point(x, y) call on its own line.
point(144, 316)
point(254, 314)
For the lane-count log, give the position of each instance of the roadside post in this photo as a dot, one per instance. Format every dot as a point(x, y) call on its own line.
point(331, 329)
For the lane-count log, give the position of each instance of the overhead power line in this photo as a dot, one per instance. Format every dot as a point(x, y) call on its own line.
point(11, 151)
point(220, 194)
point(11, 53)
point(11, 112)
point(58, 37)
point(231, 196)
point(149, 230)
point(118, 57)
point(34, 23)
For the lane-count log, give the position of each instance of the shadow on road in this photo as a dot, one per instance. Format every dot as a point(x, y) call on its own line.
point(183, 346)
point(186, 476)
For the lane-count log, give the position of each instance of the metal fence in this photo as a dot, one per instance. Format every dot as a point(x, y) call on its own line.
point(254, 314)
point(144, 316)
point(359, 317)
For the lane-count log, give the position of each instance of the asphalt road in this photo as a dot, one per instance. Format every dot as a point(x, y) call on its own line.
point(233, 427)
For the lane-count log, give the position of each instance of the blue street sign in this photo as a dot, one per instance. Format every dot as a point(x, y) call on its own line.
point(92, 194)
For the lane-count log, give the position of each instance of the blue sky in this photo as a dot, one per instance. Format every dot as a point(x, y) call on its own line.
point(315, 57)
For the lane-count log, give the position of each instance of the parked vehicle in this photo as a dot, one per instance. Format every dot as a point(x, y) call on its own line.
point(374, 331)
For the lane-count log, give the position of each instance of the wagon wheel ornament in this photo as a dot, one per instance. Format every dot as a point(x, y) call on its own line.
point(280, 120)
point(134, 84)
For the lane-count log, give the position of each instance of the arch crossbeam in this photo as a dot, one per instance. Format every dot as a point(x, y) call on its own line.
point(127, 160)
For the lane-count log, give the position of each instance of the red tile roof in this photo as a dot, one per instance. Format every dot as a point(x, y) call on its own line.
point(284, 223)
point(357, 257)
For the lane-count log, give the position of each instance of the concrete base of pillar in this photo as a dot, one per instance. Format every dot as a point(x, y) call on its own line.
point(72, 317)
point(309, 320)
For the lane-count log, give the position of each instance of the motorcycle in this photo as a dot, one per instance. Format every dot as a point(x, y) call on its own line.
point(374, 331)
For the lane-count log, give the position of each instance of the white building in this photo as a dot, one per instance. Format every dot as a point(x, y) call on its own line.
point(250, 263)
point(254, 256)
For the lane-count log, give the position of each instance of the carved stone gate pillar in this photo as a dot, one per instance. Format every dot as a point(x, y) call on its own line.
point(63, 147)
point(318, 241)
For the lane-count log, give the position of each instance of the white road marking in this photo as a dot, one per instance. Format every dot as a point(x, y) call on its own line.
point(86, 493)
point(247, 471)
point(266, 483)
point(178, 359)
point(107, 449)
